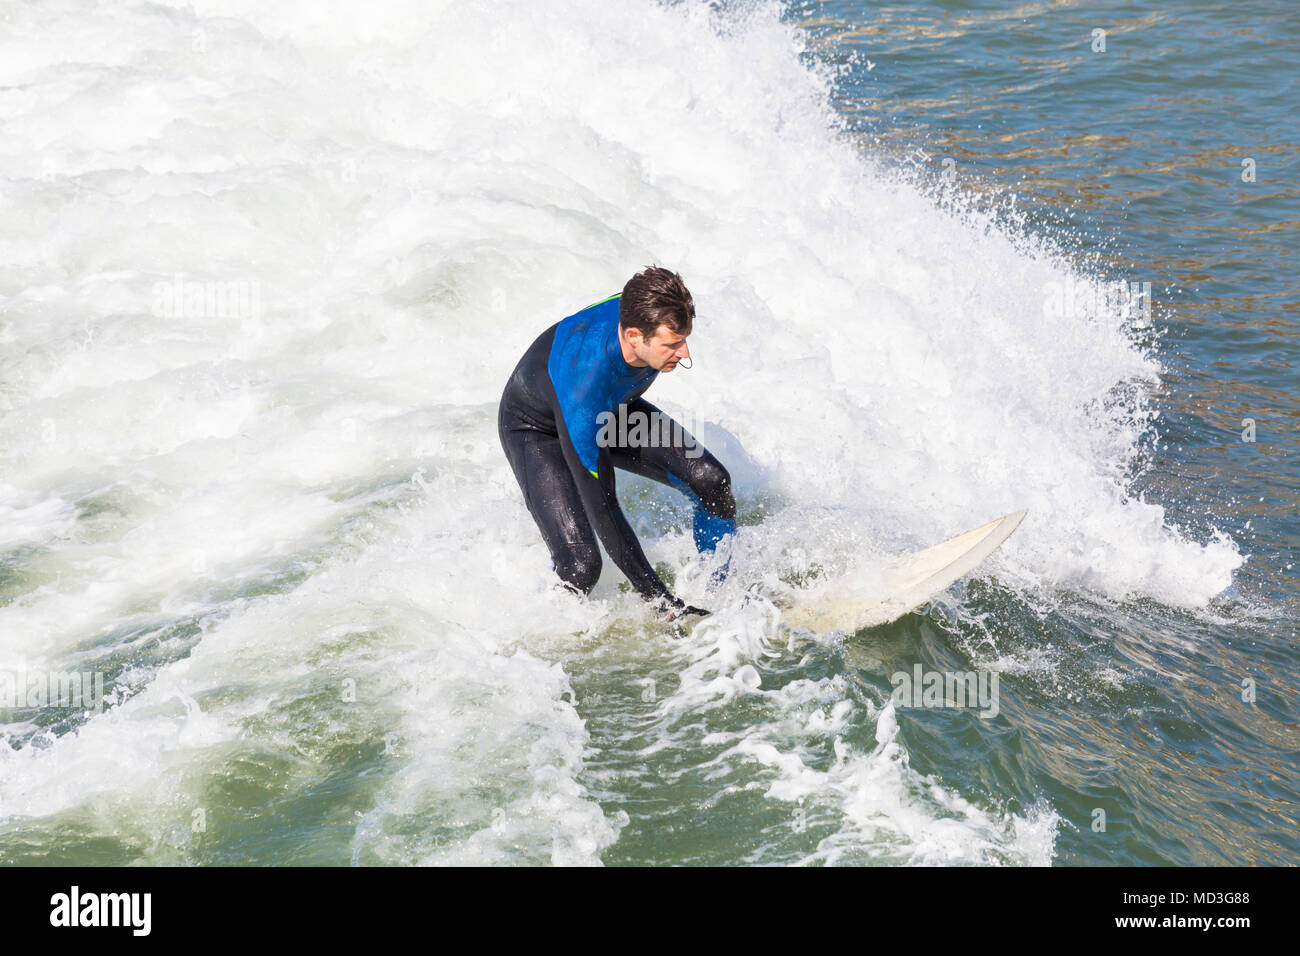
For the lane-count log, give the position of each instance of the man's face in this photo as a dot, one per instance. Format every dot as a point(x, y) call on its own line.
point(662, 351)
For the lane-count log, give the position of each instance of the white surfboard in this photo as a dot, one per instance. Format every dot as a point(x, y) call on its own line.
point(870, 597)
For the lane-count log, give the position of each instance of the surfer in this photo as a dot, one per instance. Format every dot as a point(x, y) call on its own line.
point(554, 423)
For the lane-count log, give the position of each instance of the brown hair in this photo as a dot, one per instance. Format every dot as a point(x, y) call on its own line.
point(653, 297)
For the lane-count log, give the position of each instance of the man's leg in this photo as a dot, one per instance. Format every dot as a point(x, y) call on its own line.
point(553, 501)
point(673, 456)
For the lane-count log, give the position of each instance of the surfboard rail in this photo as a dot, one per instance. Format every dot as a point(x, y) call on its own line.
point(871, 597)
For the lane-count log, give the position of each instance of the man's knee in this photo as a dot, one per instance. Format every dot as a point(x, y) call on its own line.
point(714, 483)
point(579, 569)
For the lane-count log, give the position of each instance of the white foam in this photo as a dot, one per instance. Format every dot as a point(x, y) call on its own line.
point(415, 190)
point(883, 810)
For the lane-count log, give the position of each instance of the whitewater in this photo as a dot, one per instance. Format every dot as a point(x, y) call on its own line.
point(264, 271)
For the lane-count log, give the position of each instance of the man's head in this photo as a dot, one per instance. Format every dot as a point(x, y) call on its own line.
point(654, 317)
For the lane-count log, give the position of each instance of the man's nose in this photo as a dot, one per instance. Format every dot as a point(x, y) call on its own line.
point(685, 351)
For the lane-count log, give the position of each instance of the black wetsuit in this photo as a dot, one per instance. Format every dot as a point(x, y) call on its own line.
point(556, 422)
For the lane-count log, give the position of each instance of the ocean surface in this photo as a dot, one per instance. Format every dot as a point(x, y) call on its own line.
point(264, 270)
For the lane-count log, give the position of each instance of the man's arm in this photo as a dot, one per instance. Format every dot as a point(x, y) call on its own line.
point(601, 503)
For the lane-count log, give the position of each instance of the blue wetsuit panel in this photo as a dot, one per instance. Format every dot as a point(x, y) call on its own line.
point(590, 376)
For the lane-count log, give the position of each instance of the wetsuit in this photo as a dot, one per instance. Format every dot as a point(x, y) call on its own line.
point(549, 422)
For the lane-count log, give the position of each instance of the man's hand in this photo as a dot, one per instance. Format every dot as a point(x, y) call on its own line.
point(676, 610)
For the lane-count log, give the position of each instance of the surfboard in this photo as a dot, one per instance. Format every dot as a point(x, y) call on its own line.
point(872, 596)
